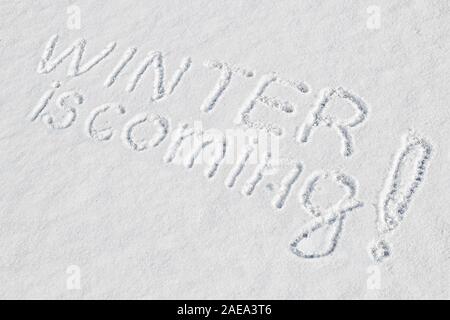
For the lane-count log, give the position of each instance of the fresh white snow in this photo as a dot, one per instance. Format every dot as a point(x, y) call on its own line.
point(224, 149)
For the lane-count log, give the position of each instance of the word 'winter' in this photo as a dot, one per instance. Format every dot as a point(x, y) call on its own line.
point(163, 87)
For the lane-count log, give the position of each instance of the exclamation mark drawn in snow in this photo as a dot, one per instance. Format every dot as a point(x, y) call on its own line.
point(407, 174)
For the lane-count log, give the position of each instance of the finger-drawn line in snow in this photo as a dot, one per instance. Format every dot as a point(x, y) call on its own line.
point(46, 65)
point(286, 186)
point(70, 112)
point(155, 59)
point(257, 176)
point(181, 133)
point(397, 194)
point(275, 103)
point(126, 58)
point(105, 133)
point(226, 74)
point(44, 101)
point(160, 122)
point(62, 105)
point(216, 140)
point(239, 166)
point(332, 217)
point(317, 117)
point(393, 202)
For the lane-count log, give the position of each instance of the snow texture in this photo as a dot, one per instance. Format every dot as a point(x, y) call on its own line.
point(224, 149)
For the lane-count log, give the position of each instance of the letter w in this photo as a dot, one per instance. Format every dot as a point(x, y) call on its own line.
point(47, 64)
